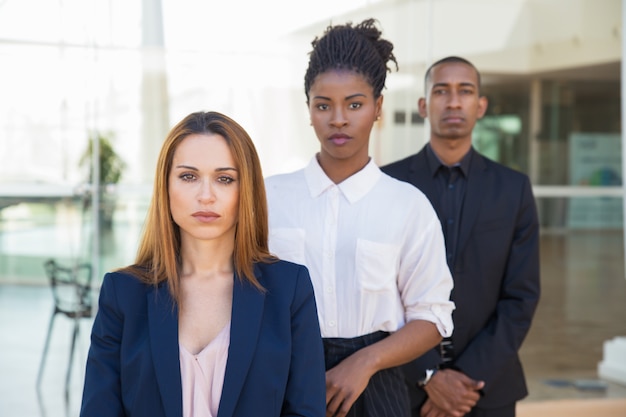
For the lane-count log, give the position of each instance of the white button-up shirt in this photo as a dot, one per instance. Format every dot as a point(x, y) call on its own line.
point(373, 246)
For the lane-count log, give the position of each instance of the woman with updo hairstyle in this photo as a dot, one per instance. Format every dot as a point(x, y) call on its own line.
point(373, 245)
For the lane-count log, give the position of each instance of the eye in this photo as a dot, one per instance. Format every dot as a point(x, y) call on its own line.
point(322, 107)
point(187, 177)
point(225, 179)
point(354, 106)
point(439, 91)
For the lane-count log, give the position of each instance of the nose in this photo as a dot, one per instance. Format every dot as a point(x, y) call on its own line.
point(454, 99)
point(206, 192)
point(338, 118)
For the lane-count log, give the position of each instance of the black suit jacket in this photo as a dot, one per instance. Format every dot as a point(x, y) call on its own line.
point(495, 271)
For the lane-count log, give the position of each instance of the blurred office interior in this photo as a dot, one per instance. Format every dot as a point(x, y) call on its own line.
point(84, 81)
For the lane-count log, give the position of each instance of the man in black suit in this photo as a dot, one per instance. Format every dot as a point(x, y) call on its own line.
point(489, 219)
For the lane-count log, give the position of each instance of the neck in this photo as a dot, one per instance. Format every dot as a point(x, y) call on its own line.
point(339, 170)
point(207, 257)
point(450, 151)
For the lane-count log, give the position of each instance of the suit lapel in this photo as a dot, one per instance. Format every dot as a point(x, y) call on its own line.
point(473, 200)
point(421, 177)
point(247, 312)
point(163, 327)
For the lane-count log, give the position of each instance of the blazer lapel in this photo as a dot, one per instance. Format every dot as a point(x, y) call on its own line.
point(473, 199)
point(163, 327)
point(421, 177)
point(247, 312)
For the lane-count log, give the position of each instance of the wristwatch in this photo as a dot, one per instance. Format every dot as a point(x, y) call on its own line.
point(428, 374)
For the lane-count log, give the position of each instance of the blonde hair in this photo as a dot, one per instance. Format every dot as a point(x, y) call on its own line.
point(158, 256)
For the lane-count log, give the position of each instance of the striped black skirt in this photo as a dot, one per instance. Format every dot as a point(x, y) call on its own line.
point(386, 393)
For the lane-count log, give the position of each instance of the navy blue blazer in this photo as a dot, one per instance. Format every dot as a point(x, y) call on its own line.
point(495, 272)
point(275, 364)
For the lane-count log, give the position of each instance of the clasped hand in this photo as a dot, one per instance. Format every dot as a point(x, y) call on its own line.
point(450, 394)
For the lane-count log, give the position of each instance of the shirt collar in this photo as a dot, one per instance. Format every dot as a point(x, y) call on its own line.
point(434, 163)
point(353, 188)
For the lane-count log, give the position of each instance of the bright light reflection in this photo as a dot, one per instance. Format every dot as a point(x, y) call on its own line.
point(76, 65)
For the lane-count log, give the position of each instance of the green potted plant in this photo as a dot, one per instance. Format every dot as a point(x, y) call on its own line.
point(111, 169)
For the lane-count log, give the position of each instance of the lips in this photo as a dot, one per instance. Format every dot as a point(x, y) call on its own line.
point(453, 118)
point(205, 216)
point(339, 139)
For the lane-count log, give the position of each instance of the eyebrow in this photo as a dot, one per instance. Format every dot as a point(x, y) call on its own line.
point(463, 84)
point(350, 97)
point(182, 166)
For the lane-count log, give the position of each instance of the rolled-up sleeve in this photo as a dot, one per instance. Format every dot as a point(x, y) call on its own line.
point(424, 278)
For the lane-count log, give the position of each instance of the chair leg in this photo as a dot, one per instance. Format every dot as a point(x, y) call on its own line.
point(69, 364)
point(45, 350)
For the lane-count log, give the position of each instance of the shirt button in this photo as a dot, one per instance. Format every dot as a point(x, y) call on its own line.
point(331, 323)
point(329, 289)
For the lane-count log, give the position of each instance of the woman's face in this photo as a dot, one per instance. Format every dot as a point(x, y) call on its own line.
point(343, 110)
point(204, 188)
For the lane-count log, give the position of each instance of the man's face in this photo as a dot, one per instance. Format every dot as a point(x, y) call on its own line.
point(452, 102)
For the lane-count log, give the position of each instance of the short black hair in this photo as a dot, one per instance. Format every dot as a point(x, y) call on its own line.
point(357, 48)
point(449, 59)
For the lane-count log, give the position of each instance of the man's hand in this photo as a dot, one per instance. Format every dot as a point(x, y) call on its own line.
point(450, 393)
point(429, 409)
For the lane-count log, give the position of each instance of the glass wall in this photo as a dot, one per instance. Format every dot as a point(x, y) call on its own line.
point(125, 71)
point(578, 143)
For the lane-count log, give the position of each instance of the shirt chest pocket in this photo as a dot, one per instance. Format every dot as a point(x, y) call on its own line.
point(377, 265)
point(288, 244)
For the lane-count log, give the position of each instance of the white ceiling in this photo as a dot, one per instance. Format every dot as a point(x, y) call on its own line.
point(504, 38)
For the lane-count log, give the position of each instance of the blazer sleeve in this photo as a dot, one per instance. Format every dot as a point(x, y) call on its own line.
point(496, 346)
point(306, 388)
point(102, 389)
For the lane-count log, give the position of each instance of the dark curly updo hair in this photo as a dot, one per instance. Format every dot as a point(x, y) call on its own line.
point(357, 48)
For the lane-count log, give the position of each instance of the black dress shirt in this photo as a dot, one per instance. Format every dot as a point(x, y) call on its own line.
point(451, 182)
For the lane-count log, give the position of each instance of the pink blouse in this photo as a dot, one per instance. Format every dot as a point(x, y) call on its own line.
point(202, 376)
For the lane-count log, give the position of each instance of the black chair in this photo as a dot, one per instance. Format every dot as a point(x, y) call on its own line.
point(71, 289)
